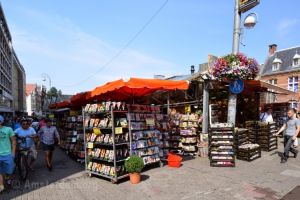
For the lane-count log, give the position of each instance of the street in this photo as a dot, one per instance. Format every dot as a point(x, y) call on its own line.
point(264, 178)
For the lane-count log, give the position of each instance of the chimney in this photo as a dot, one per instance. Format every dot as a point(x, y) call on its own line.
point(192, 69)
point(272, 49)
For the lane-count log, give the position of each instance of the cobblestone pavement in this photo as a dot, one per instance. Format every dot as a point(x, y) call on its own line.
point(264, 178)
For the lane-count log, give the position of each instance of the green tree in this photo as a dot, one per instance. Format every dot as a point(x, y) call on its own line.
point(53, 94)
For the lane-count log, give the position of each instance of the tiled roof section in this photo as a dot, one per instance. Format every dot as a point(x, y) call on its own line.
point(179, 77)
point(30, 88)
point(286, 56)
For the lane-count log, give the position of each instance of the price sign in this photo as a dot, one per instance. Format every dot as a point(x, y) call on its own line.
point(97, 131)
point(187, 109)
point(90, 145)
point(118, 130)
point(150, 121)
point(74, 132)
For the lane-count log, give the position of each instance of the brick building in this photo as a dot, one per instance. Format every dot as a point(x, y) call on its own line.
point(282, 68)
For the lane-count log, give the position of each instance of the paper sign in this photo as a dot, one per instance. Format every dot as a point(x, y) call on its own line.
point(150, 121)
point(118, 130)
point(187, 109)
point(97, 131)
point(90, 145)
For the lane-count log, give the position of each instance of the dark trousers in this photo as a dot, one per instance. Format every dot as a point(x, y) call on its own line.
point(288, 142)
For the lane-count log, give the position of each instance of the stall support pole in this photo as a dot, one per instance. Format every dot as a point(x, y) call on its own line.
point(235, 49)
point(168, 103)
point(205, 107)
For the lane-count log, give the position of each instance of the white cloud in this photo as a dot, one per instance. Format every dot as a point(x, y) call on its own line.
point(69, 55)
point(285, 25)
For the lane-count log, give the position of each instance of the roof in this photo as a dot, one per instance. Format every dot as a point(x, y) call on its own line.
point(179, 77)
point(30, 88)
point(286, 56)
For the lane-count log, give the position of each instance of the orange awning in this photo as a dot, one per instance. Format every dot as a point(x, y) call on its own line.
point(63, 104)
point(135, 87)
point(80, 99)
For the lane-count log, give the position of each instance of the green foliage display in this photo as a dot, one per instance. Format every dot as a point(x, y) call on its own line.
point(134, 164)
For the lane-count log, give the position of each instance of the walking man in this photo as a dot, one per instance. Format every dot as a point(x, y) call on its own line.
point(291, 129)
point(48, 135)
point(7, 152)
point(28, 133)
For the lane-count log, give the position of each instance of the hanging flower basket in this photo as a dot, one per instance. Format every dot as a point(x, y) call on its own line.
point(235, 66)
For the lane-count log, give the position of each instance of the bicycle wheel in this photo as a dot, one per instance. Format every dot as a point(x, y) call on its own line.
point(23, 167)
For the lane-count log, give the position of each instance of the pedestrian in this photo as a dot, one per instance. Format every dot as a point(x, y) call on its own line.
point(42, 122)
point(7, 152)
point(291, 130)
point(17, 123)
point(49, 135)
point(27, 132)
point(267, 115)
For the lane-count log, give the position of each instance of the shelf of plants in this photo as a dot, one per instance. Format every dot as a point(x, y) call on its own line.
point(174, 134)
point(72, 137)
point(189, 134)
point(221, 145)
point(145, 135)
point(163, 125)
point(249, 152)
point(107, 139)
point(263, 134)
point(241, 137)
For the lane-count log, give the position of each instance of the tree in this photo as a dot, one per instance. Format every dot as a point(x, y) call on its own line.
point(53, 94)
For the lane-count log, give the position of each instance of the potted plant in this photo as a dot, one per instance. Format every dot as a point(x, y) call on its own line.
point(134, 165)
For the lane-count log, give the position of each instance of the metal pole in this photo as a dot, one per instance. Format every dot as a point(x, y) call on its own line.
point(205, 107)
point(235, 49)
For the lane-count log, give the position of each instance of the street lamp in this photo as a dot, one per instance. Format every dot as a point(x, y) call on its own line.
point(240, 7)
point(45, 77)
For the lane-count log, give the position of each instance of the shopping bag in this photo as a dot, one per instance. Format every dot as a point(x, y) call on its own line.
point(295, 143)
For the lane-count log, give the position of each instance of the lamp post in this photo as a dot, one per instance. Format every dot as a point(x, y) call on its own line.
point(250, 21)
point(45, 77)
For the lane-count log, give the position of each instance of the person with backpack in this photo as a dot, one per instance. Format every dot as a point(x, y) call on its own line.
point(48, 136)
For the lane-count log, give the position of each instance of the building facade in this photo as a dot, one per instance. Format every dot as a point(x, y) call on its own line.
point(12, 73)
point(282, 68)
point(34, 99)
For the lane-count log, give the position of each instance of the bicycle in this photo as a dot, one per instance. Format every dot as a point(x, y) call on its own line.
point(23, 159)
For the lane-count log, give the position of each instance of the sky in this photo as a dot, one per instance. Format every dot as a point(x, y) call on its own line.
point(82, 44)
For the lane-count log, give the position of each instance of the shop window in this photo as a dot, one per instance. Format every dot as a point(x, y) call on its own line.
point(293, 83)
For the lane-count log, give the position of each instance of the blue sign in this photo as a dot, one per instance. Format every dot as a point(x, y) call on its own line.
point(236, 86)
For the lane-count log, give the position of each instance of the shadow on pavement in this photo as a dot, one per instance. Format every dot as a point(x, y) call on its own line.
point(63, 167)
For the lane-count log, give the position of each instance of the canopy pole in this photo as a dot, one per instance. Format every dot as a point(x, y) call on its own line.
point(168, 103)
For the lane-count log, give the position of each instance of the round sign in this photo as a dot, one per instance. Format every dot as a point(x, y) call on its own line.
point(236, 86)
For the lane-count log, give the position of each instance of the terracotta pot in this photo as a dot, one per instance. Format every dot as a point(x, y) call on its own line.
point(135, 178)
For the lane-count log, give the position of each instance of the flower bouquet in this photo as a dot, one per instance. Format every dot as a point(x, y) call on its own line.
point(235, 66)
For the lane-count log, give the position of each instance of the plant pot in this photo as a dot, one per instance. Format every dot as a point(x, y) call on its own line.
point(135, 178)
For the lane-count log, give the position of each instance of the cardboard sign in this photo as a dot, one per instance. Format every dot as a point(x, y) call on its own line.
point(97, 131)
point(118, 130)
point(150, 121)
point(90, 145)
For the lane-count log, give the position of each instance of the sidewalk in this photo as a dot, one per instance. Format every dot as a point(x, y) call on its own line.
point(264, 178)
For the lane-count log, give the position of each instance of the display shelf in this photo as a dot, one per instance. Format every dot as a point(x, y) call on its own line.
point(249, 154)
point(105, 126)
point(221, 147)
point(263, 134)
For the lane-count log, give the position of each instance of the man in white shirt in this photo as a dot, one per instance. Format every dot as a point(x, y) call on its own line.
point(266, 116)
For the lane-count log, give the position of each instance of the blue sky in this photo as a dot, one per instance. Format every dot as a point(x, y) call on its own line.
point(72, 39)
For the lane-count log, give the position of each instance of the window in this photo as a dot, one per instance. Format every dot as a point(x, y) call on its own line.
point(273, 81)
point(294, 105)
point(296, 62)
point(276, 66)
point(293, 83)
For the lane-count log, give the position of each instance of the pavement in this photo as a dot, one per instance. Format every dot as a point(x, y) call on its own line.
point(264, 178)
